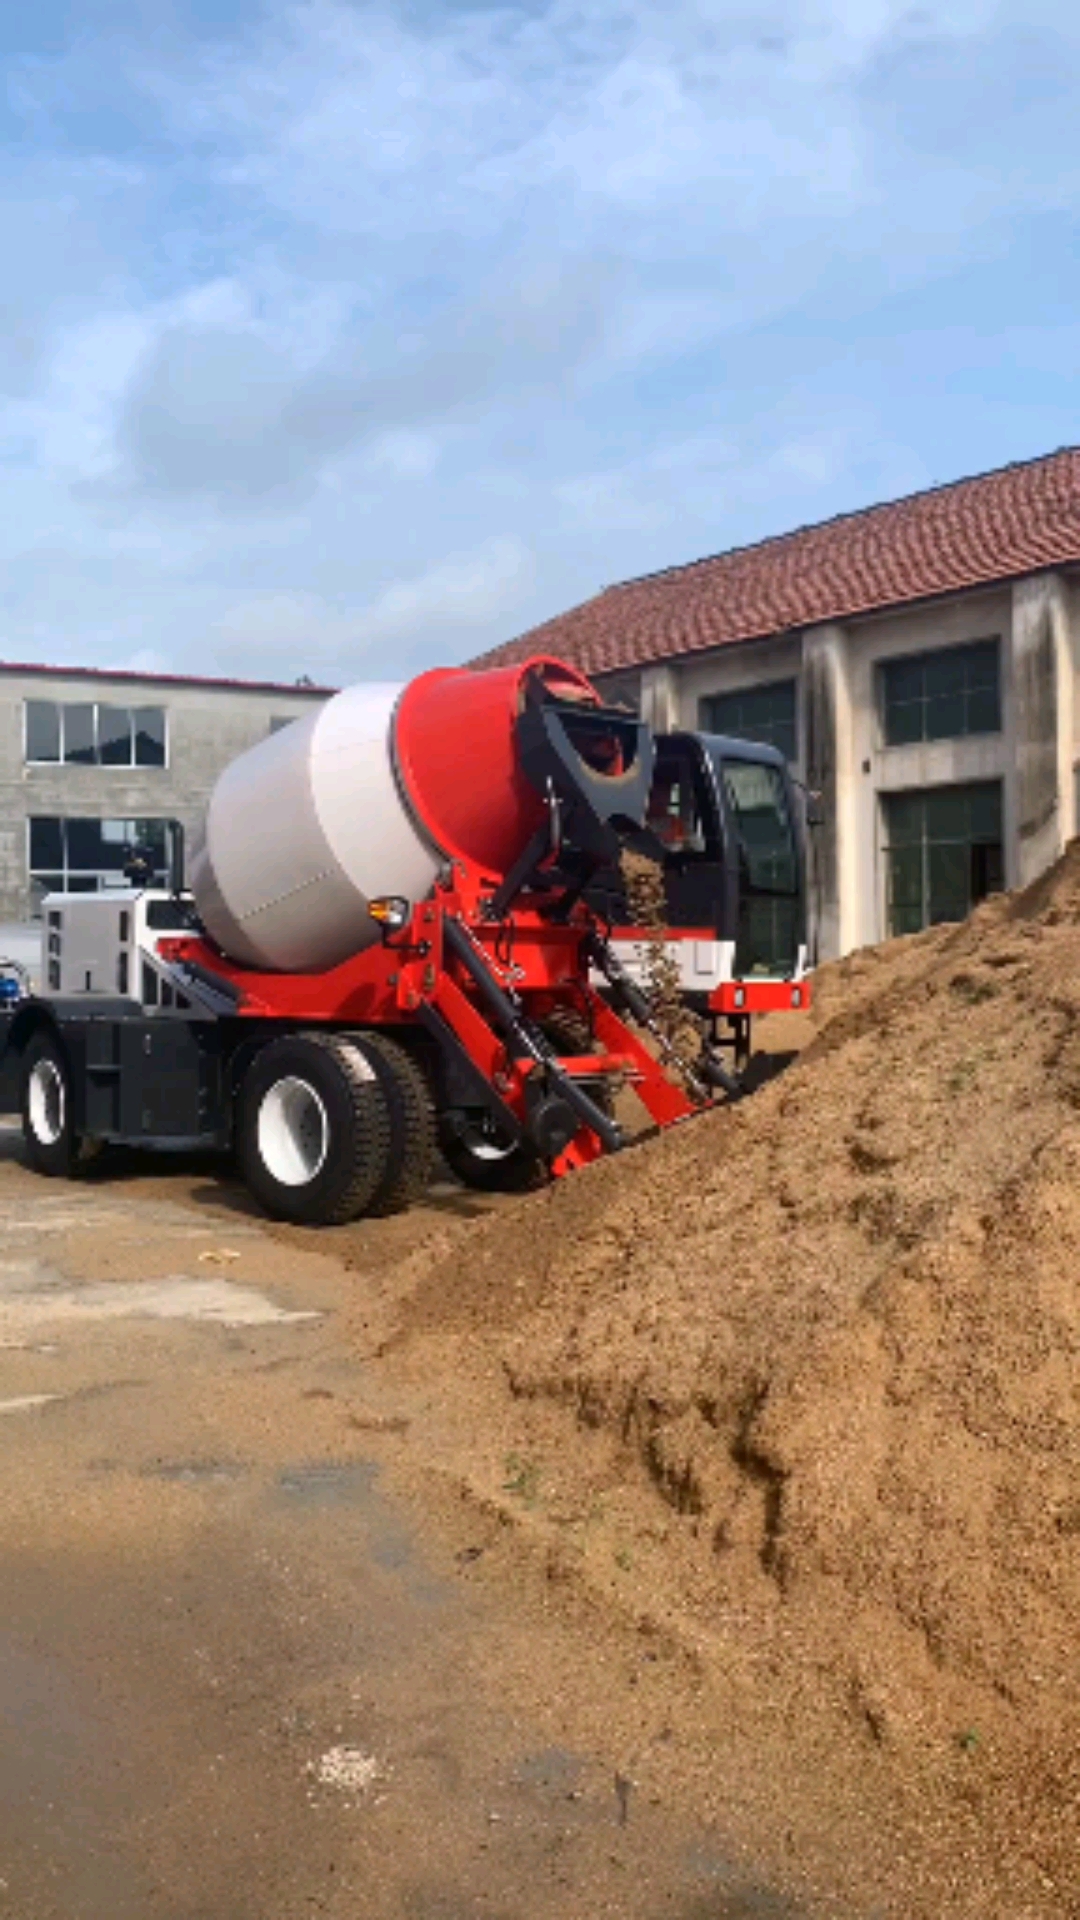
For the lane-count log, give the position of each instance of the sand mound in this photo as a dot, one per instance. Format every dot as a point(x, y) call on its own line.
point(835, 1334)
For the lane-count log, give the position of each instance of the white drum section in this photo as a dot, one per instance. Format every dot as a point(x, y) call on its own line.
point(301, 832)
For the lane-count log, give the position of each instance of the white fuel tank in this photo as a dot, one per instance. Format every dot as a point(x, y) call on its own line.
point(301, 832)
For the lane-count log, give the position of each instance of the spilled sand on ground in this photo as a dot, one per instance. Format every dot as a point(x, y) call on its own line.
point(798, 1381)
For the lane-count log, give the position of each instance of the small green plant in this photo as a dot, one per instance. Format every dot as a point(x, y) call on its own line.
point(969, 1741)
point(522, 1479)
point(623, 1560)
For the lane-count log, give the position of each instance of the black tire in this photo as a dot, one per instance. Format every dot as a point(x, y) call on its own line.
point(412, 1122)
point(52, 1145)
point(314, 1130)
point(491, 1163)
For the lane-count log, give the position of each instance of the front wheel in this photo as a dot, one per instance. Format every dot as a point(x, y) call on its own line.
point(488, 1160)
point(52, 1144)
point(314, 1130)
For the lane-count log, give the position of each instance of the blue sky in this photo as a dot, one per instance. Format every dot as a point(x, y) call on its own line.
point(344, 339)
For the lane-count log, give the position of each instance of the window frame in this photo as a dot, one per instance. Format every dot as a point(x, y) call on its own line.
point(133, 765)
point(89, 879)
point(920, 702)
point(926, 842)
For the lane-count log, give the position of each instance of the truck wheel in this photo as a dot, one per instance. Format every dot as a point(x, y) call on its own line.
point(412, 1122)
point(314, 1130)
point(52, 1145)
point(487, 1160)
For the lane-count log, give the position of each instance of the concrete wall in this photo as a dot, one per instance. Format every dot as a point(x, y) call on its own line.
point(207, 727)
point(1036, 755)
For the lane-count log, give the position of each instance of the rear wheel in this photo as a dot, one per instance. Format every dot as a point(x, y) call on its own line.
point(52, 1144)
point(314, 1131)
point(412, 1122)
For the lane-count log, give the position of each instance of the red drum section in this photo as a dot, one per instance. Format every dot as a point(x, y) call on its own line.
point(457, 761)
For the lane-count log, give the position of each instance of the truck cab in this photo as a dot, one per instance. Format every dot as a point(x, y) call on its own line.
point(726, 818)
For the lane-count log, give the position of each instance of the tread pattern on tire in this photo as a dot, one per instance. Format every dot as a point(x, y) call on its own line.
point(412, 1120)
point(371, 1125)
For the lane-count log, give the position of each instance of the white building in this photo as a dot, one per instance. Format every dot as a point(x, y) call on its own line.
point(91, 762)
point(918, 662)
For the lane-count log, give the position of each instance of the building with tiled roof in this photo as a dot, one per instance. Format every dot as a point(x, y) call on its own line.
point(918, 663)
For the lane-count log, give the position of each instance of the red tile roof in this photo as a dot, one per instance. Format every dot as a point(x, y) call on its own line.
point(994, 527)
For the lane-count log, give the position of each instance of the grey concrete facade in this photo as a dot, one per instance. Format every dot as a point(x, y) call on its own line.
point(207, 724)
point(842, 752)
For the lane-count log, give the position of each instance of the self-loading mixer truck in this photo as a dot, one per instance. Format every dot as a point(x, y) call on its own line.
point(404, 933)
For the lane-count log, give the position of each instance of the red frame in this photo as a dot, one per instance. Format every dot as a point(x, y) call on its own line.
point(761, 996)
point(388, 983)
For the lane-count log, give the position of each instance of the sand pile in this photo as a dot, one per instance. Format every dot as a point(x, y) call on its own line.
point(833, 1336)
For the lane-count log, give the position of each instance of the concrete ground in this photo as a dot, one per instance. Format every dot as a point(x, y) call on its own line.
point(243, 1675)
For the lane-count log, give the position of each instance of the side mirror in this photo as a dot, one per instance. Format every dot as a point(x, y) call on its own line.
point(815, 810)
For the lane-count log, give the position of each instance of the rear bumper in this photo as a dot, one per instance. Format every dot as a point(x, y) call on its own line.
point(761, 996)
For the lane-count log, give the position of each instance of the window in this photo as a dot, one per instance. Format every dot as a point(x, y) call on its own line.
point(941, 696)
point(943, 853)
point(42, 730)
point(94, 734)
point(677, 805)
point(84, 855)
point(755, 713)
point(769, 907)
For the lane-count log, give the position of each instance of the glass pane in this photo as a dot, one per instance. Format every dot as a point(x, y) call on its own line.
point(46, 842)
point(948, 813)
point(903, 680)
point(904, 723)
point(86, 850)
point(984, 710)
point(984, 811)
point(944, 716)
point(906, 920)
point(983, 665)
point(949, 873)
point(114, 736)
point(79, 748)
point(42, 730)
point(153, 834)
point(149, 736)
point(764, 713)
point(757, 798)
point(946, 672)
point(784, 739)
point(946, 908)
point(905, 817)
point(906, 877)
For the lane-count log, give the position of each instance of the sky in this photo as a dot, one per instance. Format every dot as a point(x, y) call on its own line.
point(343, 339)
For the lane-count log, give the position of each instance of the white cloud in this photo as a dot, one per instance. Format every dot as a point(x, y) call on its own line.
point(407, 623)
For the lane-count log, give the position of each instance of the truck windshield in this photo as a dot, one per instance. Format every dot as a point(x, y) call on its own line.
point(769, 909)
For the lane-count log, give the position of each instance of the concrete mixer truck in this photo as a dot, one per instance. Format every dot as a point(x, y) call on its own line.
point(402, 936)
